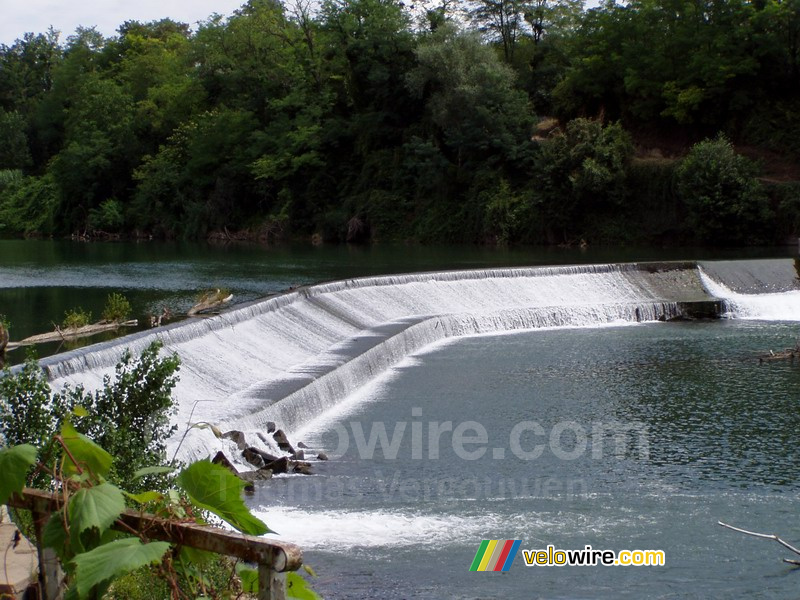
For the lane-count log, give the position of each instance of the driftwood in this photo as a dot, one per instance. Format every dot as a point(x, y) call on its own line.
point(72, 333)
point(208, 301)
point(787, 354)
point(767, 536)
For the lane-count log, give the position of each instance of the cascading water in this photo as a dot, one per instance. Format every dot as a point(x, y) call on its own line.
point(770, 306)
point(289, 358)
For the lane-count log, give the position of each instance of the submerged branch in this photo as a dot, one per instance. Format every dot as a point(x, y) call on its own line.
point(766, 536)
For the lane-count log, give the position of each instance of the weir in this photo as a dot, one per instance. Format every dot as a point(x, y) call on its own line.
point(290, 358)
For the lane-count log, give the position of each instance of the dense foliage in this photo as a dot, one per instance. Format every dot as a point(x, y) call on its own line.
point(375, 119)
point(129, 416)
point(103, 452)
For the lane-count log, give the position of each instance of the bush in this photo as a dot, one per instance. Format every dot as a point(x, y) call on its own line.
point(27, 204)
point(725, 202)
point(582, 175)
point(117, 308)
point(129, 416)
point(107, 217)
point(76, 318)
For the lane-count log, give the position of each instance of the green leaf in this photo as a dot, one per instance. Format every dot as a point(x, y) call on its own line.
point(85, 452)
point(54, 536)
point(297, 587)
point(95, 507)
point(248, 577)
point(111, 560)
point(152, 471)
point(216, 489)
point(15, 462)
point(80, 411)
point(144, 497)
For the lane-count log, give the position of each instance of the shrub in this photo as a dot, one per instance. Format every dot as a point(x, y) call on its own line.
point(117, 308)
point(27, 204)
point(581, 174)
point(76, 318)
point(130, 415)
point(725, 202)
point(107, 217)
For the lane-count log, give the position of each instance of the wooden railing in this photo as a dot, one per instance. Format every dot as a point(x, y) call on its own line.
point(273, 558)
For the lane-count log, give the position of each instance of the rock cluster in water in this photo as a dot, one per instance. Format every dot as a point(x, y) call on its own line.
point(266, 464)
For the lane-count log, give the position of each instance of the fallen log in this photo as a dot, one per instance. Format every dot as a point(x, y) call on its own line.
point(787, 354)
point(71, 333)
point(210, 300)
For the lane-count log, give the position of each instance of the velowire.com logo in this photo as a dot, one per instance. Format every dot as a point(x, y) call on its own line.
point(495, 555)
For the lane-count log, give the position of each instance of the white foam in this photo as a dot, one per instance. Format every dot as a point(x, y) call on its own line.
point(779, 306)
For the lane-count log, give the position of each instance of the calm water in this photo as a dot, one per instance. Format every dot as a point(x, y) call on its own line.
point(39, 280)
point(721, 435)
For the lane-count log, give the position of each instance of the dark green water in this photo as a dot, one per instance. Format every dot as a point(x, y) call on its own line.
point(721, 433)
point(39, 280)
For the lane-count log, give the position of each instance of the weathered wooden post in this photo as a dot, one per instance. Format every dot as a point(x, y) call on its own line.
point(50, 573)
point(274, 558)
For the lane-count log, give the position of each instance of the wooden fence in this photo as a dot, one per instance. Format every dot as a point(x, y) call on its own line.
point(273, 558)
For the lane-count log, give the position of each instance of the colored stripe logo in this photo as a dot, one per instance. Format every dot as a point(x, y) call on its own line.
point(495, 555)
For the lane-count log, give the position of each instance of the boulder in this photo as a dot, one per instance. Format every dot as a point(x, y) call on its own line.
point(257, 458)
point(279, 466)
point(271, 427)
point(222, 460)
point(299, 455)
point(303, 468)
point(237, 437)
point(283, 442)
point(257, 475)
point(302, 445)
point(322, 456)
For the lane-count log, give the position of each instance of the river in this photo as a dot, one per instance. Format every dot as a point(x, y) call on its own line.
point(709, 433)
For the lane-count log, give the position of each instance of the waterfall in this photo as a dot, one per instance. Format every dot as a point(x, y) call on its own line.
point(291, 357)
point(770, 306)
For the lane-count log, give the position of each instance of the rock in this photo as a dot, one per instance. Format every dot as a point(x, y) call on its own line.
point(283, 441)
point(271, 427)
point(302, 445)
point(299, 455)
point(322, 456)
point(257, 458)
point(252, 456)
point(279, 466)
point(303, 468)
point(237, 437)
point(222, 460)
point(258, 475)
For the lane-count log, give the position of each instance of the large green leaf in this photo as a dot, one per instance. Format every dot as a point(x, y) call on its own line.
point(216, 489)
point(111, 560)
point(152, 471)
point(297, 587)
point(248, 577)
point(144, 497)
point(85, 452)
point(54, 536)
point(15, 462)
point(95, 507)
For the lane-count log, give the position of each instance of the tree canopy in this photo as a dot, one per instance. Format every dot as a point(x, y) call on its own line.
point(376, 119)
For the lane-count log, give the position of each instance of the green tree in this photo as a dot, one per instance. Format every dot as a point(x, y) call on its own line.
point(725, 202)
point(580, 176)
